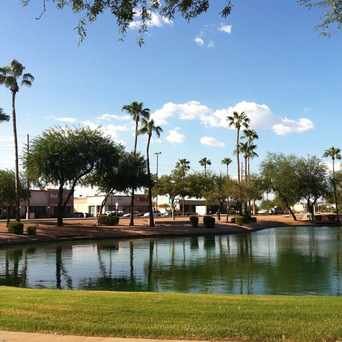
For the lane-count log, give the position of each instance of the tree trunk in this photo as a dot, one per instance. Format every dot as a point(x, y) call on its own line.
point(246, 169)
point(17, 181)
point(238, 153)
point(150, 204)
point(227, 170)
point(60, 206)
point(335, 193)
point(131, 221)
point(103, 203)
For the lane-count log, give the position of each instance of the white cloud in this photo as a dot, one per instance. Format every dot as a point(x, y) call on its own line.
point(225, 28)
point(156, 20)
point(66, 119)
point(286, 126)
point(185, 111)
point(210, 141)
point(112, 131)
point(175, 137)
point(199, 41)
point(110, 117)
point(260, 115)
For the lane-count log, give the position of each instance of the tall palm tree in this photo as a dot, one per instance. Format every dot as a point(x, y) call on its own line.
point(3, 116)
point(205, 162)
point(149, 127)
point(182, 167)
point(335, 154)
point(137, 112)
point(238, 121)
point(250, 135)
point(227, 162)
point(244, 149)
point(13, 77)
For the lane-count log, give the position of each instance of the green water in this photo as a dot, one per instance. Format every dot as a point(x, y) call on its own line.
point(277, 261)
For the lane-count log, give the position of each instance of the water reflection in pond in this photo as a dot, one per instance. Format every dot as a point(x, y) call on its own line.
point(276, 261)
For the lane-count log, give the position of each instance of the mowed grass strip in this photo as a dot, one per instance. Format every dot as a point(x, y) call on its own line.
point(161, 315)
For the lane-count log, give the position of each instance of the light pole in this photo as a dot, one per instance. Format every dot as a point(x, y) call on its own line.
point(157, 169)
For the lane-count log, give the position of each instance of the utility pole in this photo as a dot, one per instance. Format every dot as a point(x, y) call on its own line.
point(157, 173)
point(28, 180)
point(157, 155)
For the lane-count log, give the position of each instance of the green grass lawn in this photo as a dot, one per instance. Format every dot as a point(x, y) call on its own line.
point(158, 315)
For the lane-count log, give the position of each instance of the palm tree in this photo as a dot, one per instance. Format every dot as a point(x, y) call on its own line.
point(238, 121)
point(205, 162)
point(13, 77)
point(250, 135)
point(137, 112)
point(244, 149)
point(3, 116)
point(227, 162)
point(182, 167)
point(149, 127)
point(335, 154)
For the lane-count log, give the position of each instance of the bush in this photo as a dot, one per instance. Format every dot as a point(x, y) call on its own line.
point(31, 230)
point(194, 221)
point(240, 220)
point(110, 220)
point(209, 221)
point(16, 228)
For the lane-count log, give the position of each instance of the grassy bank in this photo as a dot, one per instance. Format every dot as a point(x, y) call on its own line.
point(261, 318)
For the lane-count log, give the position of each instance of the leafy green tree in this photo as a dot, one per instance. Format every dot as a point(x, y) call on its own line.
point(3, 116)
point(227, 162)
point(335, 154)
point(279, 173)
point(238, 121)
point(179, 176)
point(167, 186)
point(149, 128)
point(204, 162)
point(125, 11)
point(8, 191)
point(138, 113)
point(64, 157)
point(13, 77)
point(313, 183)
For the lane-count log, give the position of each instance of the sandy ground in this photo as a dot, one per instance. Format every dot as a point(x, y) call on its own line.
point(27, 337)
point(80, 229)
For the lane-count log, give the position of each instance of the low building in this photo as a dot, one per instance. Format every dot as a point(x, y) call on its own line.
point(92, 204)
point(43, 203)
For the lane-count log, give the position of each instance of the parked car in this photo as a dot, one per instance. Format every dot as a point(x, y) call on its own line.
point(78, 215)
point(136, 214)
point(155, 214)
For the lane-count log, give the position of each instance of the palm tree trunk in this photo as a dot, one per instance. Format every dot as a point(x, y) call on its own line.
point(227, 170)
point(246, 169)
point(131, 221)
point(150, 204)
point(249, 168)
point(238, 152)
point(17, 181)
point(335, 192)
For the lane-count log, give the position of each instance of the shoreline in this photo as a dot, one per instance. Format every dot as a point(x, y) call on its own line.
point(71, 232)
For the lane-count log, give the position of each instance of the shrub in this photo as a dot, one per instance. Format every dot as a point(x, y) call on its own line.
point(110, 220)
point(209, 221)
point(31, 230)
point(240, 220)
point(194, 221)
point(16, 228)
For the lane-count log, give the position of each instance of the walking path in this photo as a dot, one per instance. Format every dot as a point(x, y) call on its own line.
point(6, 336)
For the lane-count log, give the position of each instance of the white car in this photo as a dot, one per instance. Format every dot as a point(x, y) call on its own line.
point(155, 214)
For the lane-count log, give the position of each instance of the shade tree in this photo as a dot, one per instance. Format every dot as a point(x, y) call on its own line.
point(64, 157)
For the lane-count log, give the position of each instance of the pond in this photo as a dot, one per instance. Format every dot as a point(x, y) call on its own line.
point(297, 261)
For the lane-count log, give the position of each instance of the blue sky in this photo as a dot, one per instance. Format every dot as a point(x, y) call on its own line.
point(271, 63)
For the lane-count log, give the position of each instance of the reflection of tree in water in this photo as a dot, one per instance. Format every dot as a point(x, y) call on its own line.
point(108, 281)
point(61, 271)
point(15, 273)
